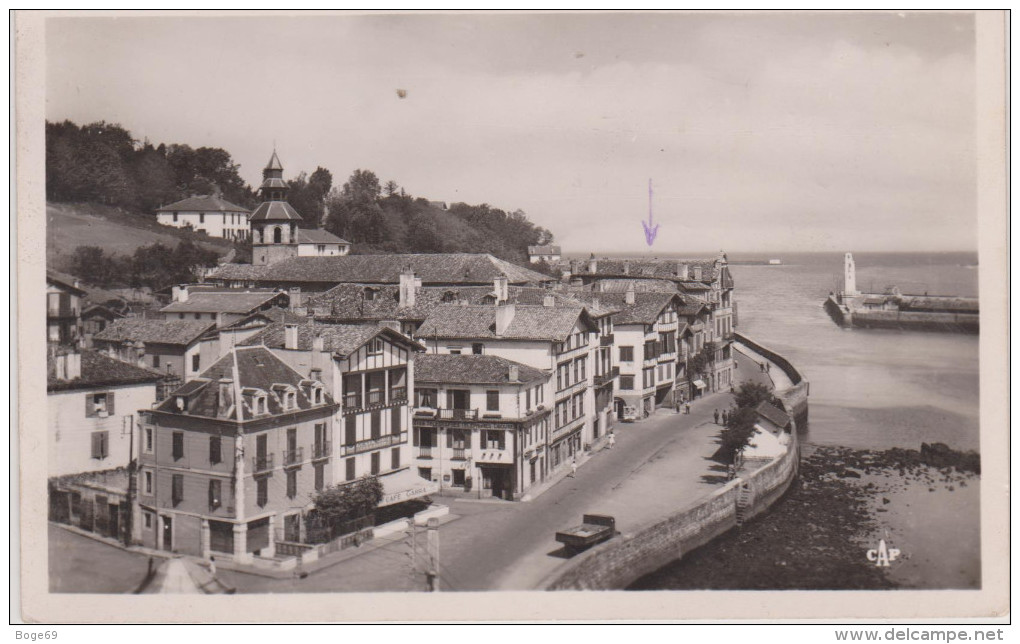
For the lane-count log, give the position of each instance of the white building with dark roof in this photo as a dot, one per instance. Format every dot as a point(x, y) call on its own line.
point(212, 214)
point(315, 242)
point(547, 253)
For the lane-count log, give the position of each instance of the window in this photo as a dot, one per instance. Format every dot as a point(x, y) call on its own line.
point(175, 217)
point(99, 405)
point(262, 491)
point(177, 488)
point(198, 316)
point(148, 520)
point(527, 399)
point(395, 420)
point(626, 383)
point(454, 351)
point(350, 431)
point(155, 361)
point(201, 217)
point(214, 450)
point(425, 473)
point(291, 483)
point(375, 462)
point(458, 478)
point(148, 440)
point(376, 424)
point(178, 445)
point(196, 360)
point(148, 482)
point(395, 458)
point(492, 400)
point(476, 348)
point(426, 397)
point(180, 316)
point(375, 347)
point(320, 477)
point(626, 354)
point(214, 494)
point(350, 474)
point(494, 439)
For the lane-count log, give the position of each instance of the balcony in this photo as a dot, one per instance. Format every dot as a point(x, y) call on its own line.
point(321, 450)
point(293, 457)
point(262, 463)
point(424, 452)
point(458, 414)
point(602, 379)
point(459, 454)
point(376, 397)
point(606, 340)
point(352, 401)
point(373, 444)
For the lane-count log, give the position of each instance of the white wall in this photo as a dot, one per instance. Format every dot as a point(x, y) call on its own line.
point(69, 430)
point(329, 250)
point(216, 224)
point(534, 353)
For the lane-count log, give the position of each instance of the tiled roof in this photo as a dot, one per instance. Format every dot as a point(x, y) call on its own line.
point(649, 268)
point(645, 309)
point(544, 250)
point(256, 368)
point(221, 302)
point(275, 211)
point(434, 269)
point(176, 332)
point(98, 370)
point(274, 162)
point(66, 282)
point(471, 369)
point(341, 339)
point(552, 323)
point(206, 203)
point(772, 413)
point(318, 236)
point(691, 308)
point(99, 309)
point(638, 285)
point(270, 316)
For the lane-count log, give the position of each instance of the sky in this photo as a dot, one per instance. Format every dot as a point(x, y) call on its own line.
point(759, 133)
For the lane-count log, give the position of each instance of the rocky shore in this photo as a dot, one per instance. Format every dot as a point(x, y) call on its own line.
point(844, 502)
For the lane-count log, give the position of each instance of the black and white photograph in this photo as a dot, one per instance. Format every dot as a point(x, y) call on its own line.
point(648, 305)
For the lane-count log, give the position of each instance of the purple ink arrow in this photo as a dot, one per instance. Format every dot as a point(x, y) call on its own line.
point(651, 230)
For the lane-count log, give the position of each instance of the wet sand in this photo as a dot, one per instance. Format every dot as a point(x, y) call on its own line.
point(818, 536)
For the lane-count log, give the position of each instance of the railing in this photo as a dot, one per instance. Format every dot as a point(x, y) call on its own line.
point(321, 450)
point(292, 549)
point(352, 401)
point(424, 452)
point(398, 393)
point(376, 396)
point(601, 379)
point(458, 414)
point(459, 454)
point(606, 340)
point(293, 457)
point(373, 444)
point(262, 463)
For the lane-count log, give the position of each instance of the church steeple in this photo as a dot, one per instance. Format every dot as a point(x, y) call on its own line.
point(273, 188)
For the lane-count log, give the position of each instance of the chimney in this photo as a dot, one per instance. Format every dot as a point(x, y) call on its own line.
point(684, 271)
point(515, 373)
point(697, 272)
point(69, 366)
point(77, 283)
point(407, 288)
point(626, 267)
point(290, 336)
point(593, 265)
point(295, 297)
point(628, 297)
point(224, 396)
point(180, 293)
point(504, 316)
point(549, 300)
point(319, 343)
point(501, 286)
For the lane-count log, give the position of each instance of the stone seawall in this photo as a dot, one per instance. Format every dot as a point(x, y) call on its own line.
point(795, 398)
point(617, 563)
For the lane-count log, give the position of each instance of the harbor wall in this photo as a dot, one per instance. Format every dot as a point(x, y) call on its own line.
point(907, 320)
point(795, 399)
point(617, 563)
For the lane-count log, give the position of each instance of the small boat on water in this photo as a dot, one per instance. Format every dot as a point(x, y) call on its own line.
point(775, 262)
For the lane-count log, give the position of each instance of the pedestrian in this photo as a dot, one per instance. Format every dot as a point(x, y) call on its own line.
point(687, 408)
point(768, 367)
point(715, 414)
point(725, 416)
point(677, 405)
point(762, 366)
point(573, 469)
point(212, 565)
point(612, 439)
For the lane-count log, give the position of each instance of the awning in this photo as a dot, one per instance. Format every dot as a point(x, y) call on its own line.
point(404, 486)
point(700, 384)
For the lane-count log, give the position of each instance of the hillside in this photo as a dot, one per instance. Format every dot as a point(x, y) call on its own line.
point(112, 229)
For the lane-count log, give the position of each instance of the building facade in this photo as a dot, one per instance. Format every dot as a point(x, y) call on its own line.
point(274, 224)
point(481, 424)
point(210, 214)
point(315, 242)
point(172, 347)
point(63, 310)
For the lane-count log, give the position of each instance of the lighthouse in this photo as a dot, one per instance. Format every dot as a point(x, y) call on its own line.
point(849, 277)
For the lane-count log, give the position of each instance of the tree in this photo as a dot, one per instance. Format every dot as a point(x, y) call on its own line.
point(738, 432)
point(751, 394)
point(338, 504)
point(93, 265)
point(355, 213)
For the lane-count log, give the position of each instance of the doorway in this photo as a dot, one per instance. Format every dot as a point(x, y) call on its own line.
point(168, 534)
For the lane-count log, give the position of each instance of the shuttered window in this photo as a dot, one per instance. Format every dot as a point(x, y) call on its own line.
point(178, 445)
point(177, 489)
point(350, 431)
point(350, 469)
point(376, 424)
point(395, 420)
point(291, 483)
point(100, 445)
point(99, 404)
point(395, 458)
point(375, 462)
point(215, 500)
point(214, 450)
point(492, 400)
point(262, 491)
point(320, 477)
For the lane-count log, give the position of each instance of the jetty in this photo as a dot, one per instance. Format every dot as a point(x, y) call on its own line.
point(893, 309)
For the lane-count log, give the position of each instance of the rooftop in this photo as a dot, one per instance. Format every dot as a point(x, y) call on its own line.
point(432, 269)
point(547, 249)
point(318, 236)
point(222, 302)
point(255, 368)
point(772, 413)
point(66, 282)
point(645, 309)
point(98, 370)
point(175, 332)
point(203, 203)
point(472, 369)
point(275, 211)
point(670, 269)
point(340, 339)
point(549, 323)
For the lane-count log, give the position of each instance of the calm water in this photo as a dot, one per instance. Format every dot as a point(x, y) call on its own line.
point(869, 388)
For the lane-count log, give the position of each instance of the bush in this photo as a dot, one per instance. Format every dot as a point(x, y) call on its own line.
point(340, 504)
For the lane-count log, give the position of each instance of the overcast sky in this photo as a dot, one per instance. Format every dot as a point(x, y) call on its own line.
point(759, 133)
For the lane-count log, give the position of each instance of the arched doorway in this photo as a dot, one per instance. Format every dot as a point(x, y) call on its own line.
point(277, 235)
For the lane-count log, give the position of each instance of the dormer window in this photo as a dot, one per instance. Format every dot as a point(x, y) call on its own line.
point(369, 294)
point(290, 400)
point(261, 405)
point(182, 403)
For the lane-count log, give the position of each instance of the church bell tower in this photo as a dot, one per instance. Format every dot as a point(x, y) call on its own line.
point(274, 224)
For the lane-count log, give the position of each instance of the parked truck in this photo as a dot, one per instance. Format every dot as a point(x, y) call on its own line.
point(594, 529)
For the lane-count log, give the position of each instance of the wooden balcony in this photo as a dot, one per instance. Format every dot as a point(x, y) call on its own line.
point(262, 463)
point(458, 414)
point(372, 444)
point(606, 340)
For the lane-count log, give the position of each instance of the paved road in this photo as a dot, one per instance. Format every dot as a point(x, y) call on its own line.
point(82, 565)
